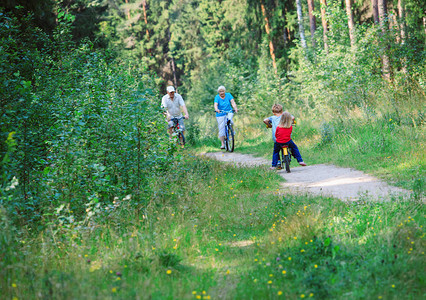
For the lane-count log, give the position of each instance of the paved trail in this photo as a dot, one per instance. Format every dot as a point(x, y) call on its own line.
point(327, 180)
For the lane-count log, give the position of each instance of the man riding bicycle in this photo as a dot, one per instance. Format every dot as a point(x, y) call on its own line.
point(173, 103)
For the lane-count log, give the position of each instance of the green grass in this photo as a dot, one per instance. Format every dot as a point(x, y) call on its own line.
point(230, 233)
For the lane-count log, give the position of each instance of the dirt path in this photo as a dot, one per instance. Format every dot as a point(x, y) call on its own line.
point(327, 180)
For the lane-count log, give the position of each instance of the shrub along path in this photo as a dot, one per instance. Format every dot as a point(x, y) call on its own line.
point(327, 180)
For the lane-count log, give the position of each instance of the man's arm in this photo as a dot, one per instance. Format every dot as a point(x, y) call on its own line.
point(185, 111)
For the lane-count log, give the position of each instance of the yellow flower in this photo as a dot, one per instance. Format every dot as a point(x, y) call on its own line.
point(311, 294)
point(289, 258)
point(302, 250)
point(270, 275)
point(316, 266)
point(198, 297)
point(14, 285)
point(279, 293)
point(114, 290)
point(393, 285)
point(194, 292)
point(302, 296)
point(203, 292)
point(284, 271)
point(169, 272)
point(227, 272)
point(270, 282)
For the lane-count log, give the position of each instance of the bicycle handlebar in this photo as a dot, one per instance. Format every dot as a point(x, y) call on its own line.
point(226, 111)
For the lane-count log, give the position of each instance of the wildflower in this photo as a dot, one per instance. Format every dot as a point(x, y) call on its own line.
point(203, 292)
point(289, 258)
point(14, 285)
point(169, 272)
point(316, 266)
point(311, 294)
point(194, 292)
point(198, 297)
point(270, 282)
point(302, 250)
point(302, 296)
point(227, 272)
point(255, 280)
point(284, 271)
point(114, 290)
point(271, 275)
point(393, 286)
point(279, 293)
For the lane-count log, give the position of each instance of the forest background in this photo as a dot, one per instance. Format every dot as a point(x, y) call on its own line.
point(81, 82)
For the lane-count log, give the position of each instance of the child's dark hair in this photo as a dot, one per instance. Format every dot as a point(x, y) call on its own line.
point(277, 108)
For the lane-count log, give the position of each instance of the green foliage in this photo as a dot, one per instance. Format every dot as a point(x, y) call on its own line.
point(88, 129)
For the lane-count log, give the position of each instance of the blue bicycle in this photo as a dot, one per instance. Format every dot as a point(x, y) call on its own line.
point(229, 131)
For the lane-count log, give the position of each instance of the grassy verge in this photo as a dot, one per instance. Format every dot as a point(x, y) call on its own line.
point(216, 232)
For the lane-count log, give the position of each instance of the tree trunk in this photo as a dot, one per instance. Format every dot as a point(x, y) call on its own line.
point(312, 21)
point(383, 24)
point(375, 9)
point(127, 11)
point(271, 44)
point(172, 60)
point(402, 24)
point(424, 24)
point(351, 24)
point(145, 18)
point(402, 30)
point(324, 24)
point(300, 21)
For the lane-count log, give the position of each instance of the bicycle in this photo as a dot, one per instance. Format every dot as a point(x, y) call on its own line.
point(285, 158)
point(177, 131)
point(229, 131)
point(285, 153)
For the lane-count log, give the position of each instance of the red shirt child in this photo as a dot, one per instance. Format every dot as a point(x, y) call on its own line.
point(283, 135)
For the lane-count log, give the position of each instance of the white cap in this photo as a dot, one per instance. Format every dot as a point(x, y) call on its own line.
point(170, 89)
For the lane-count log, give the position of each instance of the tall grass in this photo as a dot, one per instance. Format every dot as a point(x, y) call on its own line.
point(214, 232)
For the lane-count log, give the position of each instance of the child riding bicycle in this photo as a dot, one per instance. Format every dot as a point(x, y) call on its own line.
point(281, 124)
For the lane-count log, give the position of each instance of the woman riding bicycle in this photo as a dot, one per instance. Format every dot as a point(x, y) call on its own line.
point(223, 102)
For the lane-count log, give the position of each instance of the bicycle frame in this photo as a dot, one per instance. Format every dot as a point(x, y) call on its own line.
point(286, 157)
point(177, 131)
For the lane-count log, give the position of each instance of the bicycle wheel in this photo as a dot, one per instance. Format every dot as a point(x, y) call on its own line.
point(181, 139)
point(230, 138)
point(286, 161)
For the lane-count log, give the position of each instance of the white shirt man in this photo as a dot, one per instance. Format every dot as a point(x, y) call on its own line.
point(173, 103)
